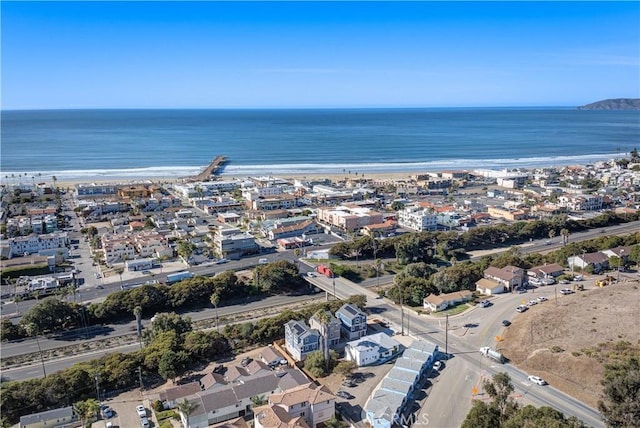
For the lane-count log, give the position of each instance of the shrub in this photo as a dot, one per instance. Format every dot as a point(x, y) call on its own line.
point(158, 406)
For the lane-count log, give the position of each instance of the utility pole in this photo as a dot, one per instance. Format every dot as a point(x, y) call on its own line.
point(334, 288)
point(44, 371)
point(446, 335)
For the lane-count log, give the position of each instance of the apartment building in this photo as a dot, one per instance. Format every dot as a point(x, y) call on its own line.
point(418, 219)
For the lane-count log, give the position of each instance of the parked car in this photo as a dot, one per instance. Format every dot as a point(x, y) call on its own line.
point(542, 299)
point(349, 383)
point(107, 412)
point(219, 368)
point(506, 323)
point(437, 365)
point(532, 302)
point(142, 412)
point(522, 290)
point(537, 380)
point(220, 261)
point(521, 308)
point(246, 361)
point(578, 278)
point(564, 281)
point(144, 422)
point(566, 291)
point(484, 304)
point(344, 394)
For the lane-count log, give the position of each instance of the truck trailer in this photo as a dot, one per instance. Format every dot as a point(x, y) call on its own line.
point(178, 276)
point(493, 354)
point(326, 271)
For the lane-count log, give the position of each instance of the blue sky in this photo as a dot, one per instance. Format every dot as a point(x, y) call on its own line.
point(307, 54)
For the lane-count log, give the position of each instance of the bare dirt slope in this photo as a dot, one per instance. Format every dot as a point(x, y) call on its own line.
point(568, 341)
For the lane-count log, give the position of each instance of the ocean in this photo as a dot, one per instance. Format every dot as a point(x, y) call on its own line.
point(85, 145)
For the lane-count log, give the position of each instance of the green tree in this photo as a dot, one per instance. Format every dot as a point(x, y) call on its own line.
point(51, 314)
point(215, 299)
point(500, 389)
point(87, 409)
point(482, 415)
point(166, 322)
point(258, 400)
point(172, 364)
point(316, 364)
point(621, 407)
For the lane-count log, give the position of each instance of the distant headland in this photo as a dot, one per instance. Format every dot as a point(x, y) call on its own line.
point(614, 104)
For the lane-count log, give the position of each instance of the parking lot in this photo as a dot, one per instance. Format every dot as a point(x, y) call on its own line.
point(124, 407)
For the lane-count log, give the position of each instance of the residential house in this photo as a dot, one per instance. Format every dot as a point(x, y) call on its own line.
point(56, 418)
point(234, 399)
point(270, 356)
point(271, 416)
point(445, 300)
point(546, 271)
point(353, 321)
point(300, 340)
point(170, 397)
point(313, 403)
point(509, 276)
point(598, 261)
point(489, 287)
point(372, 349)
point(333, 328)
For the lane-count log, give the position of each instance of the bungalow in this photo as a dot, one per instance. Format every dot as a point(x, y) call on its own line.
point(62, 417)
point(443, 301)
point(489, 287)
point(545, 271)
point(598, 261)
point(372, 349)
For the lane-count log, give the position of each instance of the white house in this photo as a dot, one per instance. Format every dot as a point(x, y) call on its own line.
point(371, 349)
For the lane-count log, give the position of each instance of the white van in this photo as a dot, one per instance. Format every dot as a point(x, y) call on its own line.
point(263, 261)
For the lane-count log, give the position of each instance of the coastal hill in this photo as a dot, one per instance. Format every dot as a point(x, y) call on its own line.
point(614, 104)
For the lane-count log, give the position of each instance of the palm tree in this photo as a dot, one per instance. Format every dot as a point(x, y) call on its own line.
point(187, 407)
point(55, 180)
point(119, 270)
point(258, 400)
point(86, 409)
point(565, 236)
point(324, 317)
point(137, 312)
point(215, 299)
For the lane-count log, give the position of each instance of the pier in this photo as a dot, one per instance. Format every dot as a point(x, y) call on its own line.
point(211, 169)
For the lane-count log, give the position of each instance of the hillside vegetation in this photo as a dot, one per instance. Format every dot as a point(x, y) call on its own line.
point(569, 343)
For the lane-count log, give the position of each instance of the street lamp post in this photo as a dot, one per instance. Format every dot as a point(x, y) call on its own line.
point(620, 265)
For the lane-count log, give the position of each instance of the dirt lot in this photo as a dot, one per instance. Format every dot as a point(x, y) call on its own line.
point(568, 343)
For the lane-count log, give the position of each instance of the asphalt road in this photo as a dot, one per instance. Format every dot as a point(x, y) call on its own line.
point(467, 363)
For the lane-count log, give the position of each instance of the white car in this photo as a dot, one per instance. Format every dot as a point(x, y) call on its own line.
point(532, 302)
point(437, 365)
point(311, 274)
point(542, 299)
point(142, 412)
point(521, 308)
point(537, 380)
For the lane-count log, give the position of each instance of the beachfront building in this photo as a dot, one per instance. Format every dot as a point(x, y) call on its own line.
point(85, 190)
point(205, 188)
point(32, 244)
point(278, 202)
point(418, 219)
